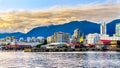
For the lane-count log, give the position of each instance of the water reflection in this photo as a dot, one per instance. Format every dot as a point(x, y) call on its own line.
point(60, 60)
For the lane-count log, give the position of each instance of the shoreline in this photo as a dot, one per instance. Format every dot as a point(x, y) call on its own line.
point(108, 51)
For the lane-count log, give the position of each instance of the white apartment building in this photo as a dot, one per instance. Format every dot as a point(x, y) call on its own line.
point(92, 38)
point(107, 37)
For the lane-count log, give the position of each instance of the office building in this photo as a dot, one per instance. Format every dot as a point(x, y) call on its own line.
point(76, 34)
point(103, 28)
point(61, 37)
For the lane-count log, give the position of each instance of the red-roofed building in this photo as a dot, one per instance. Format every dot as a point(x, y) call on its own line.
point(106, 42)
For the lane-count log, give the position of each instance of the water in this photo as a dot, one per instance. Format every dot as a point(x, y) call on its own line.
point(60, 60)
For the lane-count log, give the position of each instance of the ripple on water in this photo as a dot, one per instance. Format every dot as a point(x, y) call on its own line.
point(59, 60)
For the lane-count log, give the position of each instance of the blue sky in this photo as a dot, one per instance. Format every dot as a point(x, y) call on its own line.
point(41, 4)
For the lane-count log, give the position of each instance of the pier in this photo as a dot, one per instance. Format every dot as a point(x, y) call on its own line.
point(72, 50)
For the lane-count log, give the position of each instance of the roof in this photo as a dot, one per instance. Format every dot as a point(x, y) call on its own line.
point(58, 43)
point(105, 41)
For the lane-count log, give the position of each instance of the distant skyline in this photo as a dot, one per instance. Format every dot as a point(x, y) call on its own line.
point(23, 15)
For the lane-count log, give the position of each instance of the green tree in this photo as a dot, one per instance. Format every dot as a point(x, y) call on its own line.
point(39, 45)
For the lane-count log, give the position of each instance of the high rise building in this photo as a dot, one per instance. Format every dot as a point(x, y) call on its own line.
point(103, 28)
point(55, 36)
point(61, 37)
point(76, 34)
point(118, 29)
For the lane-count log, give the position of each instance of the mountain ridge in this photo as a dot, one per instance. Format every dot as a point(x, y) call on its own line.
point(62, 27)
point(16, 34)
point(84, 26)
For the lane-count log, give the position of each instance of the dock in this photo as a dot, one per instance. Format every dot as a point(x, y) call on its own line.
point(72, 50)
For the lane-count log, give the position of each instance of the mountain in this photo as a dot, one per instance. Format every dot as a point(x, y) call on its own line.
point(84, 27)
point(111, 26)
point(16, 34)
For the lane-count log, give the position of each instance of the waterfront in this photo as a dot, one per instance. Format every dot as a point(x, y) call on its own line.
point(90, 59)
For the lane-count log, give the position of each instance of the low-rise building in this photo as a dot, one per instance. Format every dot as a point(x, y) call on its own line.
point(28, 39)
point(40, 39)
point(21, 39)
point(107, 37)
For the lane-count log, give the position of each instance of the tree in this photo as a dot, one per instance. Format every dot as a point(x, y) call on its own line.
point(45, 42)
point(39, 45)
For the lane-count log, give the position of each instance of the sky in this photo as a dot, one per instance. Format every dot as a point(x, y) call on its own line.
point(23, 15)
point(41, 4)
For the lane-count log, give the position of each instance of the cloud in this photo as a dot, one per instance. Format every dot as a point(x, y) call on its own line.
point(25, 20)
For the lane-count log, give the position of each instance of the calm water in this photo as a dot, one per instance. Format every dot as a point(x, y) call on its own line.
point(60, 60)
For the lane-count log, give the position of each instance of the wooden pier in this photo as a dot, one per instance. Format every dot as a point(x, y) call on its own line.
point(72, 50)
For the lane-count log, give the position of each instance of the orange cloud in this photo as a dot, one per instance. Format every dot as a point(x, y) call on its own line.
point(24, 21)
